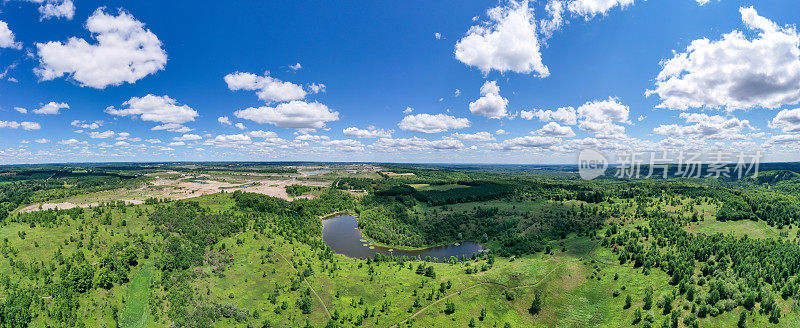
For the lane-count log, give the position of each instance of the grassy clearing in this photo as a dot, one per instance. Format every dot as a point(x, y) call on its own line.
point(752, 229)
point(134, 314)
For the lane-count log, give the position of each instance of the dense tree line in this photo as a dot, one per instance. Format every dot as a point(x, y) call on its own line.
point(717, 273)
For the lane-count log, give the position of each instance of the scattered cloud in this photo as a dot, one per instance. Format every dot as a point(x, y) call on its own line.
point(347, 145)
point(229, 140)
point(408, 110)
point(85, 125)
point(187, 137)
point(262, 134)
point(590, 8)
point(563, 115)
point(311, 138)
point(7, 37)
point(475, 137)
point(788, 120)
point(51, 108)
point(491, 104)
point(72, 142)
point(369, 132)
point(427, 123)
point(101, 135)
point(267, 88)
point(553, 129)
point(610, 110)
point(507, 42)
point(415, 144)
point(21, 110)
point(705, 127)
point(784, 139)
point(125, 52)
point(161, 109)
point(172, 127)
point(296, 67)
point(224, 120)
point(295, 114)
point(528, 142)
point(56, 9)
point(17, 125)
point(554, 9)
point(437, 35)
point(446, 144)
point(316, 88)
point(240, 126)
point(734, 72)
point(598, 117)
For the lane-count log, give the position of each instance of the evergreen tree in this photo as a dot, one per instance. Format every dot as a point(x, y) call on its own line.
point(536, 305)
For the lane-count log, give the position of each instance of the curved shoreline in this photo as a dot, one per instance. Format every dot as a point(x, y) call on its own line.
point(390, 248)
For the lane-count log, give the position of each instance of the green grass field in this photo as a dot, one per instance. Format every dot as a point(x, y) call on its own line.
point(134, 314)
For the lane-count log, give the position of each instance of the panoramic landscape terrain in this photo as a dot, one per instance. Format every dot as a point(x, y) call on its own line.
point(389, 245)
point(398, 164)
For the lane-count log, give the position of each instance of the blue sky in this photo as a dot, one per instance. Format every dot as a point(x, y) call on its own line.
point(378, 80)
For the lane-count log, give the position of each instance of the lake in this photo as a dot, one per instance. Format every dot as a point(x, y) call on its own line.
point(342, 235)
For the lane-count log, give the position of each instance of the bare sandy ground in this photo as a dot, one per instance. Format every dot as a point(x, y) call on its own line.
point(177, 189)
point(54, 206)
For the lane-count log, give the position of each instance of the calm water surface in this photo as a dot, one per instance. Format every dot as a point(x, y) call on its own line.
point(342, 235)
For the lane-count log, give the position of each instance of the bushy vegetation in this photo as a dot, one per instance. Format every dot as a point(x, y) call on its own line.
point(297, 190)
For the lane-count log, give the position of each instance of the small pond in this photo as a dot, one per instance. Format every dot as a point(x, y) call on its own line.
point(317, 172)
point(342, 235)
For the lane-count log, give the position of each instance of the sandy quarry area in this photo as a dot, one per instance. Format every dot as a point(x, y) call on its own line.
point(180, 189)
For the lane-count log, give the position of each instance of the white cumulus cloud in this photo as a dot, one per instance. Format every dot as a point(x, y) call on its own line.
point(7, 37)
point(51, 108)
point(598, 117)
point(787, 120)
point(17, 125)
point(590, 8)
point(491, 104)
point(187, 137)
point(475, 137)
point(162, 109)
point(56, 9)
point(528, 142)
point(705, 127)
point(563, 115)
point(262, 134)
point(85, 125)
point(554, 129)
point(507, 42)
point(427, 123)
point(295, 114)
point(735, 72)
point(125, 52)
point(369, 132)
point(172, 127)
point(267, 88)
